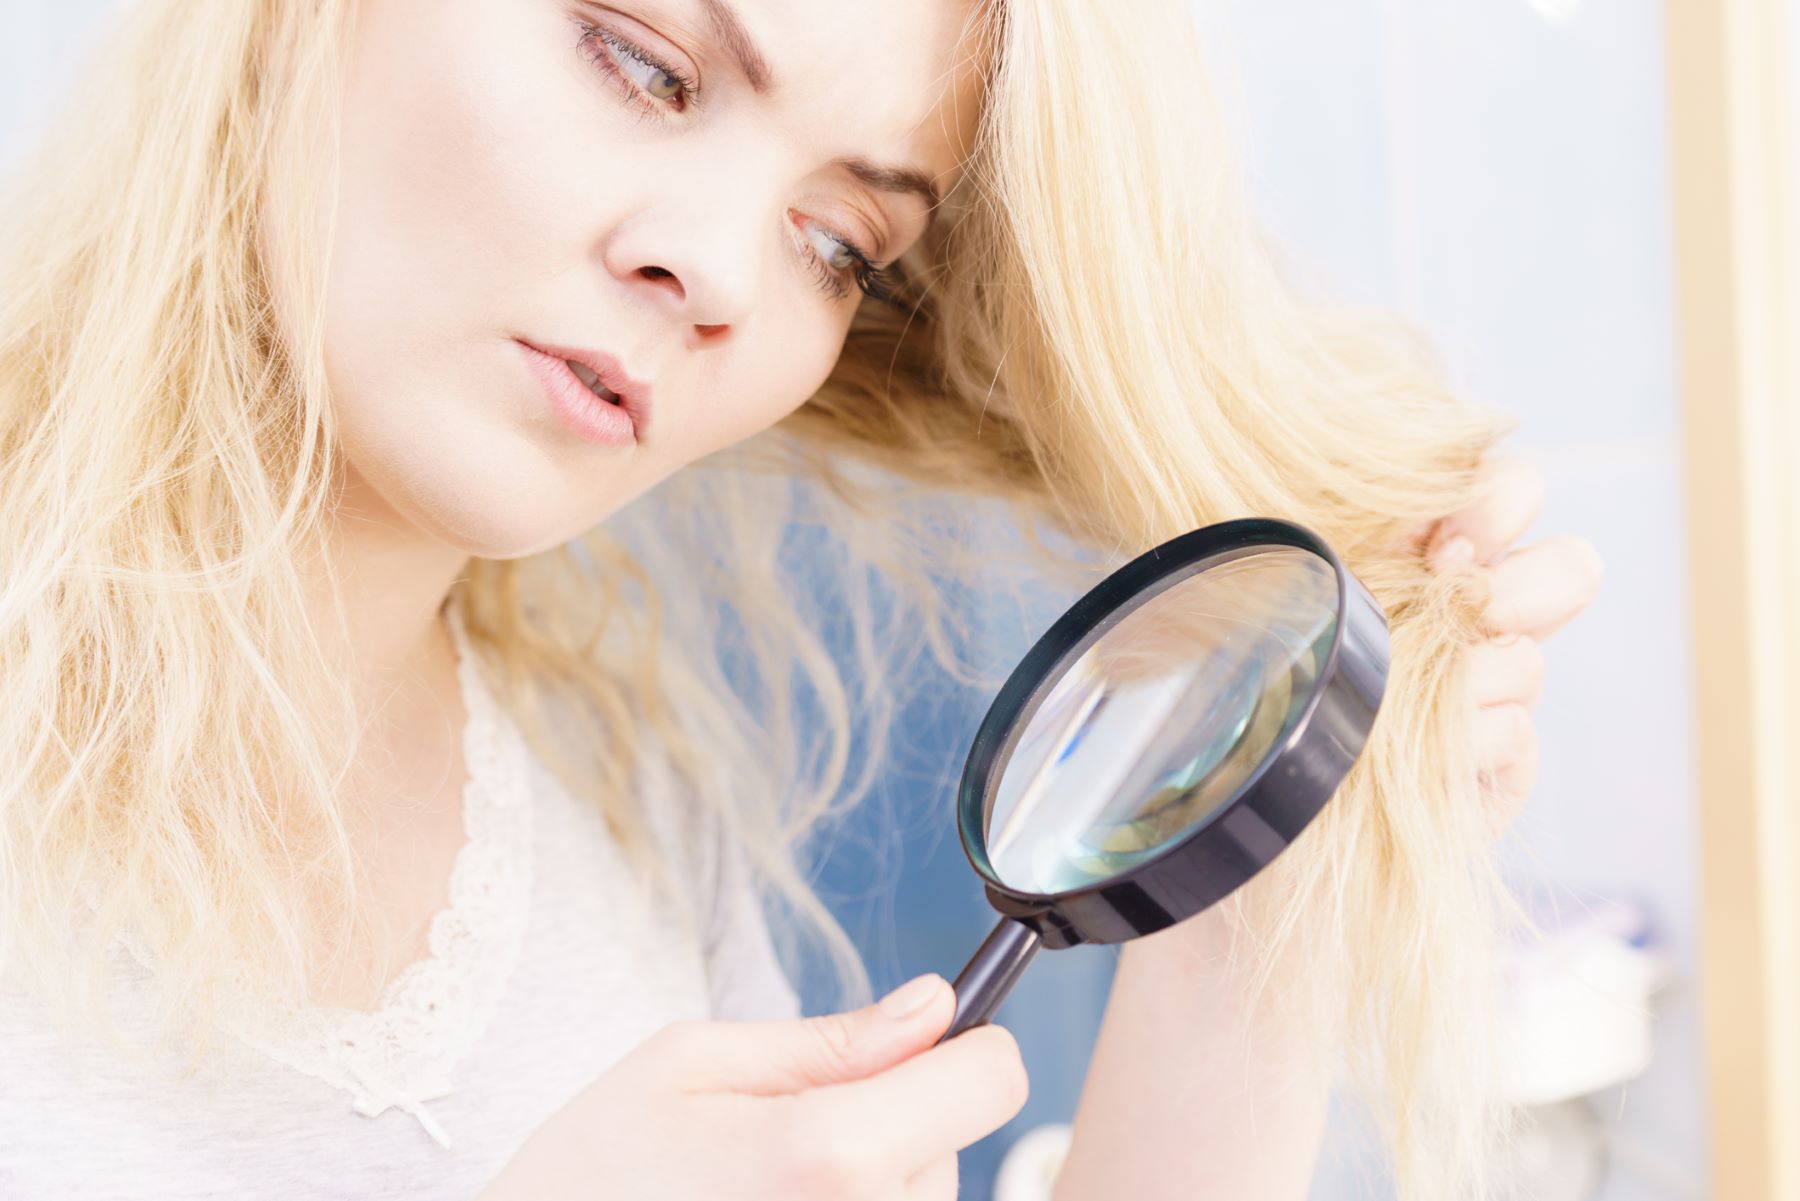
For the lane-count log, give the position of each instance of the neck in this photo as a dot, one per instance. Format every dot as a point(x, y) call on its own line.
point(394, 580)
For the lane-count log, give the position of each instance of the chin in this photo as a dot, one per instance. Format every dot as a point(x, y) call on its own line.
point(507, 525)
point(502, 508)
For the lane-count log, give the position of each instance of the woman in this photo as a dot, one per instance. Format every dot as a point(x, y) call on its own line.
point(352, 713)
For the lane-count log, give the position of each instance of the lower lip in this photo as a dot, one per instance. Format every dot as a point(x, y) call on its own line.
point(585, 414)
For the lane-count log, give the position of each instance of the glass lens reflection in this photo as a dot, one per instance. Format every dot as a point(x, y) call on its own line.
point(1160, 721)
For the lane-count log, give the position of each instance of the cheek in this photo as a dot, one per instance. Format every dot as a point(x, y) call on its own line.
point(777, 370)
point(444, 217)
point(438, 197)
point(464, 216)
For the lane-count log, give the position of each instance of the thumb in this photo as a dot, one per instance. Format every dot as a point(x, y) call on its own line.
point(773, 1058)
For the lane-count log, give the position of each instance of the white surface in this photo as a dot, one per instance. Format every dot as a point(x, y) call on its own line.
point(1028, 1173)
point(1577, 1013)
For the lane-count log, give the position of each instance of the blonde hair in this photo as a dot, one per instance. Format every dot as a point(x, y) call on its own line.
point(1092, 336)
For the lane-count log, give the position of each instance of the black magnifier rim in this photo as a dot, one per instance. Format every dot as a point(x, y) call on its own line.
point(1283, 794)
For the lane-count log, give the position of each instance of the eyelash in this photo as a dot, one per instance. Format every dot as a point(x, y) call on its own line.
point(871, 280)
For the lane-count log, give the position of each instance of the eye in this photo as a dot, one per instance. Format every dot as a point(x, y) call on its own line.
point(660, 83)
point(646, 80)
point(833, 258)
point(836, 253)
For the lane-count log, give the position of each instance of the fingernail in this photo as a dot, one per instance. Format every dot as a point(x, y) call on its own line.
point(910, 997)
point(1454, 553)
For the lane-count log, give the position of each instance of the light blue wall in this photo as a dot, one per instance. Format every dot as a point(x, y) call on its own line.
point(1499, 172)
point(899, 881)
point(40, 39)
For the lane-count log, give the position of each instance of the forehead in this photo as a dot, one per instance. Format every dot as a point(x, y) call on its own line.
point(897, 79)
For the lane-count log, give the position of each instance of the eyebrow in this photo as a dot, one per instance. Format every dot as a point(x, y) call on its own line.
point(891, 179)
point(731, 33)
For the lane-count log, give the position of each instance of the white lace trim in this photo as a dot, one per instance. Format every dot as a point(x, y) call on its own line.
point(402, 1053)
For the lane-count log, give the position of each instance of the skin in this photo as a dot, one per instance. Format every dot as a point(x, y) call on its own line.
point(498, 183)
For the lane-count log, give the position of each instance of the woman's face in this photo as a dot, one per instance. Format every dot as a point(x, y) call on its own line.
point(611, 178)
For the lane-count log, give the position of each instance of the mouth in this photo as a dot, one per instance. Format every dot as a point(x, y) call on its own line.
point(602, 376)
point(586, 375)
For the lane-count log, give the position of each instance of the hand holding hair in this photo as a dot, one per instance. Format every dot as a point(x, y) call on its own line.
point(1533, 592)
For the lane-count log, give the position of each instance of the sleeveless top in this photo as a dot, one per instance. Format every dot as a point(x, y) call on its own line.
point(546, 966)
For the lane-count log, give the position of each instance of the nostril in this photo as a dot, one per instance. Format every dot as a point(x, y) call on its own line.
point(658, 274)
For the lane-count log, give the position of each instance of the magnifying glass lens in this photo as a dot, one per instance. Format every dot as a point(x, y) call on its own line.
point(1162, 720)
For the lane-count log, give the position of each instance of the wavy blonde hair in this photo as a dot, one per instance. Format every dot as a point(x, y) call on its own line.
point(1093, 336)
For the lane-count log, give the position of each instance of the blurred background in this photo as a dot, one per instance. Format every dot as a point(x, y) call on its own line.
point(1588, 205)
point(1505, 174)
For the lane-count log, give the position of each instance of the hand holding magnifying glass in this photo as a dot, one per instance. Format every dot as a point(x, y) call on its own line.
point(1164, 741)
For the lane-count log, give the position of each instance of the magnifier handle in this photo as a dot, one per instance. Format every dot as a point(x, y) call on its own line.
point(990, 974)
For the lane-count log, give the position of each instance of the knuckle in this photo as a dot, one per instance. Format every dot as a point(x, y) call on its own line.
point(667, 1054)
point(677, 1040)
point(1512, 790)
point(1006, 1068)
point(834, 1040)
point(1499, 612)
point(1506, 734)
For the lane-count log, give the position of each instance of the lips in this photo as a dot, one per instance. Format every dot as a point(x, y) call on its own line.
point(605, 377)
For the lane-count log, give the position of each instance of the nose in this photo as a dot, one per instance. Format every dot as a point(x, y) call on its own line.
point(701, 270)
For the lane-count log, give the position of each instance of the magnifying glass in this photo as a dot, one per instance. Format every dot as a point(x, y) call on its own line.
point(1164, 741)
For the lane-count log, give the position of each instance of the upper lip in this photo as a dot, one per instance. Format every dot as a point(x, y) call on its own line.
point(633, 393)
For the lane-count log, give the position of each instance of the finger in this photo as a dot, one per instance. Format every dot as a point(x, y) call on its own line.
point(935, 1182)
point(1502, 733)
point(1506, 670)
point(937, 1102)
point(1509, 495)
point(1538, 590)
point(1506, 789)
point(778, 1057)
point(1506, 753)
